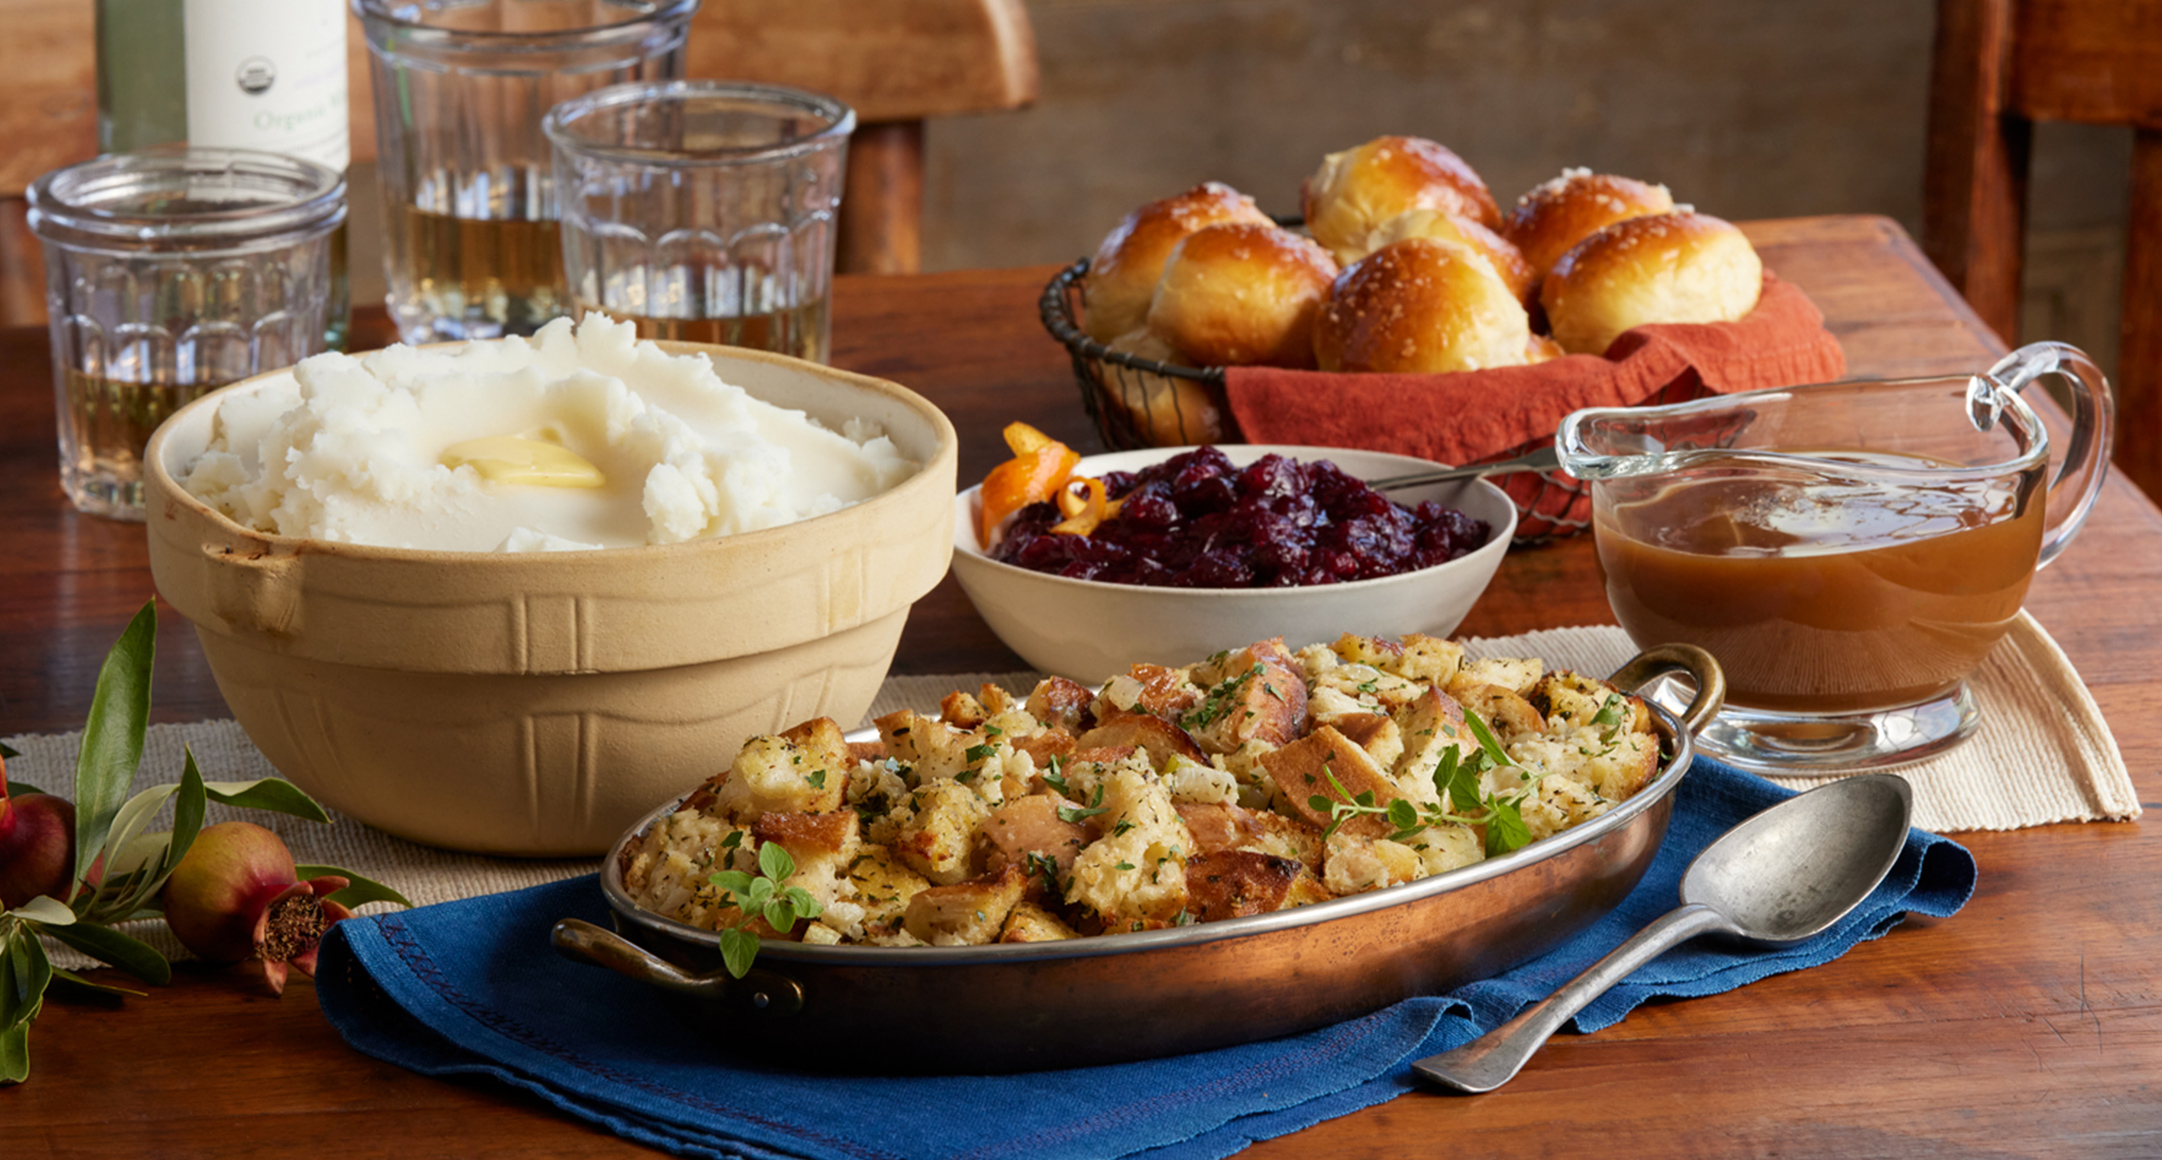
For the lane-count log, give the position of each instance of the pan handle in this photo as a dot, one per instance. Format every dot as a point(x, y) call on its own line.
point(761, 991)
point(1699, 666)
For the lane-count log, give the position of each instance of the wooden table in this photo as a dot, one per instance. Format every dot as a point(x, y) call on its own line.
point(2030, 1024)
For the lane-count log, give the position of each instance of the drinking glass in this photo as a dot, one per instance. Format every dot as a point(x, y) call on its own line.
point(703, 211)
point(1850, 552)
point(460, 86)
point(168, 273)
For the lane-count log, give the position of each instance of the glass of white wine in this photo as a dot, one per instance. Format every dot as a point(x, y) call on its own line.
point(171, 272)
point(460, 85)
point(703, 211)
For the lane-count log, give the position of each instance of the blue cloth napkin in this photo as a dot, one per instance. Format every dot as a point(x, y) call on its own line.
point(473, 988)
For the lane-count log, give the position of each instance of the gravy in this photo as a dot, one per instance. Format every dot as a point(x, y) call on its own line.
point(1823, 596)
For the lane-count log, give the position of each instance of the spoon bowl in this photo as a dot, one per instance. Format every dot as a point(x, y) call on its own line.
point(1781, 877)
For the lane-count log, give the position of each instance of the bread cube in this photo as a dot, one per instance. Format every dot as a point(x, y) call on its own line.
point(804, 770)
point(965, 914)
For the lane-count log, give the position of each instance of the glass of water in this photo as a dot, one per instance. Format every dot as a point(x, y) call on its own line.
point(460, 86)
point(703, 211)
point(169, 273)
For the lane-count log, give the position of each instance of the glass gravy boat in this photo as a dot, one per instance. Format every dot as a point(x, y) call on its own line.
point(1850, 552)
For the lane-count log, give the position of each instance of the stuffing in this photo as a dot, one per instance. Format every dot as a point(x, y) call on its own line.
point(965, 914)
point(804, 770)
point(938, 840)
point(1171, 795)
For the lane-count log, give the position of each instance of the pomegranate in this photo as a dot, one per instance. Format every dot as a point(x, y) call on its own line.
point(37, 846)
point(234, 897)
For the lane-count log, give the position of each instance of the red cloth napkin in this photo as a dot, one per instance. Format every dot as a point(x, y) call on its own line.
point(1471, 416)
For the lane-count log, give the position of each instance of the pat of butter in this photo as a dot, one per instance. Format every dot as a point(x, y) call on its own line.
point(516, 459)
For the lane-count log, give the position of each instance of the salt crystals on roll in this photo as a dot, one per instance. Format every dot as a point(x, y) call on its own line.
point(1243, 294)
point(1122, 276)
point(1558, 213)
point(576, 439)
point(1358, 190)
point(1422, 306)
point(1672, 267)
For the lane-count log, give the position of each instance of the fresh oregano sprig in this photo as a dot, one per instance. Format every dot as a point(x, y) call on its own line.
point(766, 895)
point(1458, 782)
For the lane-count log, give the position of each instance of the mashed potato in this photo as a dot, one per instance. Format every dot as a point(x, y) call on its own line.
point(634, 446)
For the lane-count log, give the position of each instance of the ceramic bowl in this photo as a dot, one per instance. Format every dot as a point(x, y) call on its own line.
point(1090, 630)
point(539, 703)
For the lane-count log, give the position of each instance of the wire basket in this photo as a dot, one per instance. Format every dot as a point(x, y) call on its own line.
point(1138, 402)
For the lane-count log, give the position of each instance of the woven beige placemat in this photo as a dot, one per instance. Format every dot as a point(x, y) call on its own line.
point(2043, 754)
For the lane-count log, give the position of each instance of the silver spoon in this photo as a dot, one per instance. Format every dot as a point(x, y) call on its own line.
point(1544, 459)
point(1782, 876)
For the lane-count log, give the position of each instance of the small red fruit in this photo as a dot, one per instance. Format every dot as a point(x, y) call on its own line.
point(37, 846)
point(234, 897)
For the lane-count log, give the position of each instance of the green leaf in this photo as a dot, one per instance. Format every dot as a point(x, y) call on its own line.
point(24, 972)
point(271, 793)
point(774, 862)
point(1320, 804)
point(738, 948)
point(188, 810)
point(781, 915)
point(7, 752)
point(113, 735)
point(113, 948)
point(45, 911)
point(757, 896)
point(72, 979)
point(359, 891)
point(1505, 829)
point(1487, 741)
point(732, 882)
point(806, 905)
point(1403, 815)
point(18, 788)
point(15, 1052)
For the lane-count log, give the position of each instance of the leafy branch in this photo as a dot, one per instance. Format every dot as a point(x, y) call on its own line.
point(117, 867)
point(766, 895)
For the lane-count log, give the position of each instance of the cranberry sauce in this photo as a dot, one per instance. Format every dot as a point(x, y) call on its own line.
point(1196, 521)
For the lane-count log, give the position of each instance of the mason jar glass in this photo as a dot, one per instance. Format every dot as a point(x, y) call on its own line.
point(168, 273)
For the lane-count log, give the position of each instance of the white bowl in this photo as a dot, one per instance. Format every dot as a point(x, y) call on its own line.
point(1091, 630)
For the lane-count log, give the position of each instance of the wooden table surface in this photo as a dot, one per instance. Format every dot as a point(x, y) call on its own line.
point(2028, 1025)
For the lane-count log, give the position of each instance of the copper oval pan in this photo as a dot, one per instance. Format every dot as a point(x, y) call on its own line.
point(1113, 998)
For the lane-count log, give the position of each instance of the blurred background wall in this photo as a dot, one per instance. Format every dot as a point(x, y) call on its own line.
point(1747, 108)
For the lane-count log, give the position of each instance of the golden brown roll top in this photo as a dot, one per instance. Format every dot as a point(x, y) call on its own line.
point(1357, 191)
point(1671, 267)
point(1242, 294)
point(1122, 276)
point(1422, 305)
point(1557, 214)
point(1515, 272)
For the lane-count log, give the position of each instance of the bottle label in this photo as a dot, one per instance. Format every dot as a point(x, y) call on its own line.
point(268, 76)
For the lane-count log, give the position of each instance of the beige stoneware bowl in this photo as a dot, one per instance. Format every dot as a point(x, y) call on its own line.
point(1090, 630)
point(539, 703)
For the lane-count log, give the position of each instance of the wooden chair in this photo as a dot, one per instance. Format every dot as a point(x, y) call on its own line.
point(1999, 66)
point(896, 62)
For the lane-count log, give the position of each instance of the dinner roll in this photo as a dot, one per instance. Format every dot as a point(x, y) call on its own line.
point(1542, 349)
point(1122, 276)
point(1670, 267)
point(1165, 411)
point(1560, 212)
point(1242, 294)
point(1355, 191)
point(1421, 305)
point(1515, 272)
